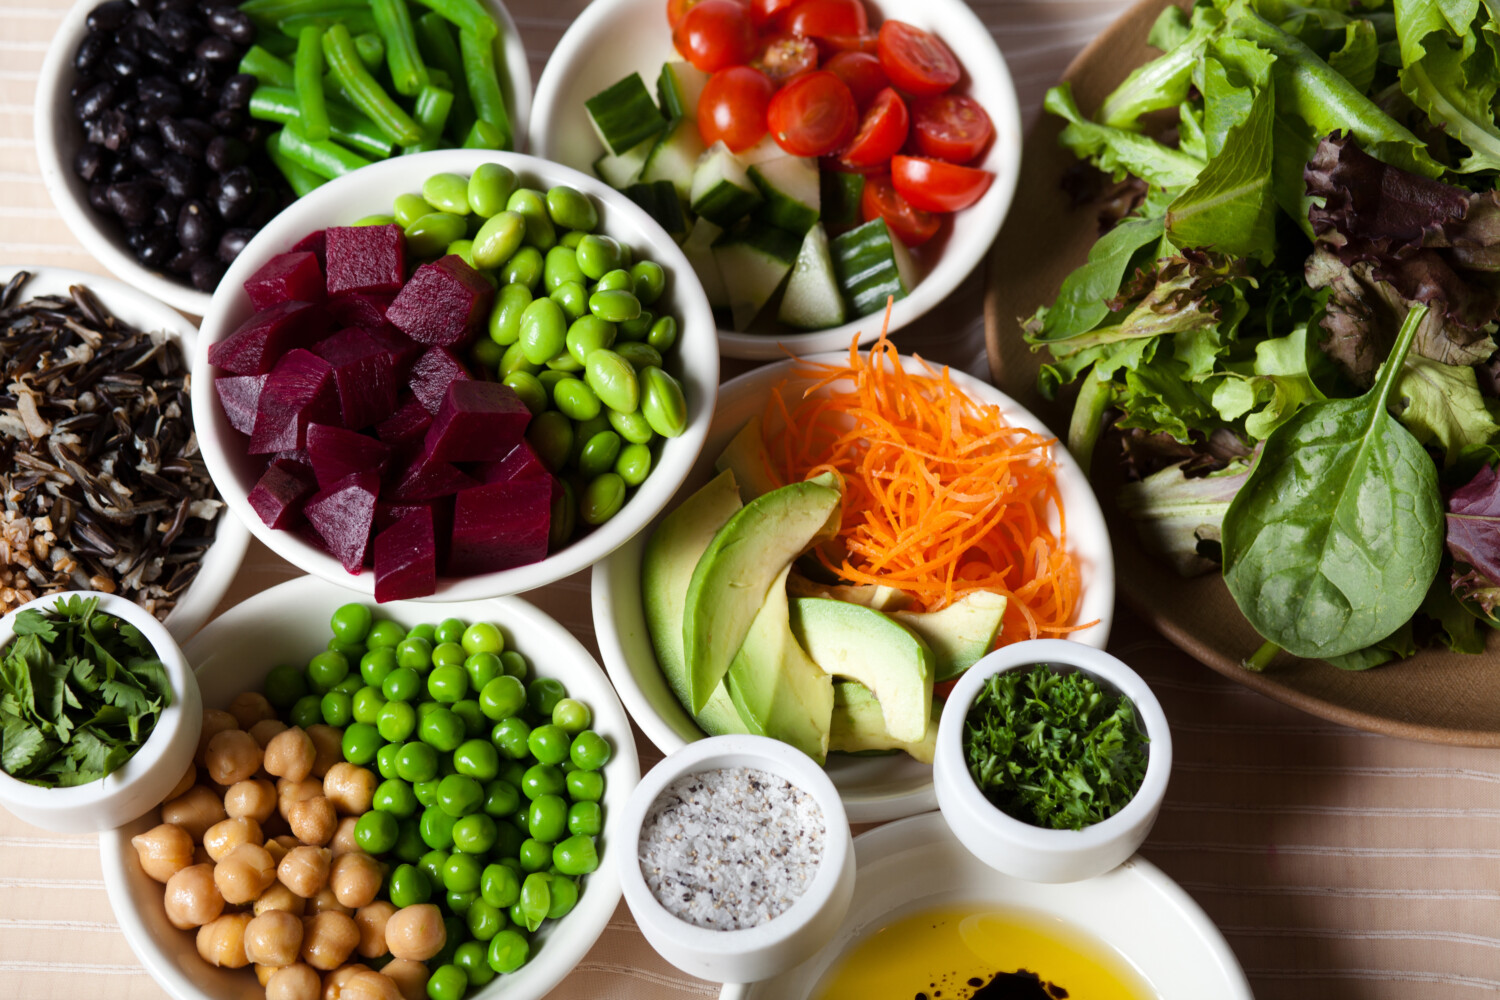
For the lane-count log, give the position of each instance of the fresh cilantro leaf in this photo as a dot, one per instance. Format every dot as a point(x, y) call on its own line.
point(20, 745)
point(153, 676)
point(33, 622)
point(124, 695)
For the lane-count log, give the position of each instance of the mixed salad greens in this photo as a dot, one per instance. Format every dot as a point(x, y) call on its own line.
point(1289, 323)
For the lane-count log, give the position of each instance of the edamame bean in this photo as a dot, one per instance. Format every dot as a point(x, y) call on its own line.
point(544, 331)
point(375, 220)
point(498, 238)
point(532, 206)
point(464, 248)
point(490, 187)
point(549, 380)
point(564, 517)
point(573, 299)
point(530, 391)
point(486, 354)
point(617, 306)
point(550, 435)
point(640, 355)
point(662, 402)
point(663, 333)
point(432, 232)
point(638, 328)
point(514, 360)
point(561, 267)
point(599, 454)
point(634, 464)
point(572, 209)
point(571, 239)
point(602, 498)
point(589, 334)
point(631, 426)
point(505, 317)
point(650, 280)
point(613, 380)
point(565, 363)
point(615, 281)
point(598, 255)
point(574, 399)
point(408, 208)
point(523, 268)
point(583, 432)
point(447, 192)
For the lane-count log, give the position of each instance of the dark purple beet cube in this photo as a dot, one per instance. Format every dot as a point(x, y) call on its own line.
point(406, 558)
point(403, 350)
point(406, 426)
point(433, 372)
point(424, 480)
point(262, 339)
point(366, 259)
point(240, 395)
point(388, 512)
point(520, 463)
point(478, 422)
point(366, 309)
point(315, 243)
point(343, 515)
point(443, 304)
point(500, 526)
point(287, 277)
point(363, 376)
point(335, 453)
point(299, 391)
point(283, 488)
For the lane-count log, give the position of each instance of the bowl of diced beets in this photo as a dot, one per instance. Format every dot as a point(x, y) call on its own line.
point(345, 423)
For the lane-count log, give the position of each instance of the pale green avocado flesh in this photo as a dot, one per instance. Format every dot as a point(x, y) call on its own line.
point(858, 725)
point(961, 633)
point(877, 596)
point(746, 458)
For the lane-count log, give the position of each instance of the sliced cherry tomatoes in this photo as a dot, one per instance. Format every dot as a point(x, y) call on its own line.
point(882, 132)
point(911, 225)
point(762, 12)
point(916, 61)
point(733, 106)
point(950, 127)
point(822, 18)
point(715, 34)
point(832, 45)
point(782, 57)
point(677, 9)
point(861, 73)
point(812, 115)
point(937, 186)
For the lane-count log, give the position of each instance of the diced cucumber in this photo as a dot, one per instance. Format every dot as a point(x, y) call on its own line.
point(659, 199)
point(675, 157)
point(790, 187)
point(766, 149)
point(698, 248)
point(813, 300)
point(722, 190)
point(841, 197)
point(754, 259)
point(871, 264)
point(621, 171)
point(624, 115)
point(678, 88)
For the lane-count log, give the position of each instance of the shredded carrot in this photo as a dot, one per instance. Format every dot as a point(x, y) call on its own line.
point(941, 495)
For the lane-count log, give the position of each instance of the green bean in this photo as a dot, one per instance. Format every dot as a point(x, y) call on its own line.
point(267, 68)
point(523, 268)
point(484, 84)
point(574, 399)
point(598, 255)
point(432, 232)
point(532, 205)
point(650, 281)
point(573, 299)
point(366, 94)
point(662, 402)
point(370, 48)
point(275, 10)
point(544, 332)
point(617, 280)
point(465, 249)
point(615, 306)
point(550, 435)
point(514, 360)
point(438, 76)
point(663, 333)
point(439, 50)
point(634, 464)
point(613, 380)
point(505, 318)
point(571, 208)
point(447, 192)
point(564, 514)
point(466, 15)
point(347, 126)
point(640, 355)
point(307, 73)
point(356, 19)
point(393, 21)
point(326, 159)
point(588, 334)
point(483, 135)
point(431, 112)
point(408, 208)
point(490, 187)
point(561, 267)
point(302, 180)
point(602, 500)
point(631, 426)
point(599, 454)
point(530, 391)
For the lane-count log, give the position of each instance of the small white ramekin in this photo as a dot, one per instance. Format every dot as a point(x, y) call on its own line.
point(754, 953)
point(146, 778)
point(1032, 852)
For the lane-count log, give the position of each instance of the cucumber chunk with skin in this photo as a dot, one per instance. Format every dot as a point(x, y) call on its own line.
point(659, 199)
point(698, 249)
point(675, 157)
point(754, 259)
point(621, 171)
point(841, 195)
point(722, 190)
point(678, 88)
point(790, 187)
point(813, 300)
point(624, 115)
point(871, 265)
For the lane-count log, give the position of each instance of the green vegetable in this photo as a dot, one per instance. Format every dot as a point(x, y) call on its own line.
point(307, 74)
point(478, 54)
point(363, 90)
point(393, 21)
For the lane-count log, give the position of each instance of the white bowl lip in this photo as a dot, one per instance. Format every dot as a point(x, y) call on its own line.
point(713, 753)
point(990, 211)
point(1082, 508)
point(700, 376)
point(231, 539)
point(1131, 822)
point(87, 226)
point(149, 762)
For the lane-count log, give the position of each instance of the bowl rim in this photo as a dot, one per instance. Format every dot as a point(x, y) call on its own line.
point(700, 366)
point(957, 17)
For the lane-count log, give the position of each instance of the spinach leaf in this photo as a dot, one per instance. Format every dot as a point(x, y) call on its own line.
point(1334, 539)
point(1080, 304)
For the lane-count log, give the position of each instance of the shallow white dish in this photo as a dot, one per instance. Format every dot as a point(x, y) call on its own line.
point(59, 137)
point(287, 624)
point(339, 203)
point(222, 559)
point(613, 38)
point(873, 788)
point(1136, 909)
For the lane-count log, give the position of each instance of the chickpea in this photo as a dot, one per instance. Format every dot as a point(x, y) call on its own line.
point(416, 932)
point(233, 755)
point(290, 754)
point(250, 707)
point(304, 870)
point(355, 879)
point(221, 942)
point(279, 897)
point(195, 811)
point(192, 899)
point(288, 791)
point(329, 939)
point(264, 731)
point(200, 856)
point(371, 920)
point(163, 851)
point(215, 722)
point(263, 974)
point(368, 985)
point(343, 838)
point(329, 746)
point(227, 834)
point(274, 938)
point(335, 982)
point(277, 849)
point(255, 798)
point(313, 820)
point(324, 900)
point(188, 780)
point(351, 789)
point(245, 873)
point(295, 982)
point(409, 976)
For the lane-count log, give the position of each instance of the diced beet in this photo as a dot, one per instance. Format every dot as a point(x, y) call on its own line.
point(366, 259)
point(388, 512)
point(424, 480)
point(403, 350)
point(363, 375)
point(521, 463)
point(407, 425)
point(287, 277)
point(478, 422)
point(434, 371)
point(366, 309)
point(406, 558)
point(298, 392)
point(343, 515)
point(315, 243)
point(283, 488)
point(443, 304)
point(262, 339)
point(499, 526)
point(298, 455)
point(335, 453)
point(239, 395)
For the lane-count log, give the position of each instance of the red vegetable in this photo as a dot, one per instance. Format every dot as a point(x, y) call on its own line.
point(732, 107)
point(882, 132)
point(861, 73)
point(911, 225)
point(366, 259)
point(916, 61)
point(950, 127)
point(366, 309)
point(937, 186)
point(521, 463)
point(334, 452)
point(240, 396)
point(408, 424)
point(343, 514)
point(406, 557)
point(261, 340)
point(427, 480)
point(478, 422)
point(281, 492)
point(299, 391)
point(813, 115)
point(782, 57)
point(364, 376)
point(444, 303)
point(826, 18)
point(762, 12)
point(500, 525)
point(832, 45)
point(432, 373)
point(286, 277)
point(715, 34)
point(315, 243)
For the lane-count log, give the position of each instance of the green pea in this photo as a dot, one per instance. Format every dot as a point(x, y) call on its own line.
point(483, 667)
point(424, 631)
point(508, 950)
point(351, 622)
point(599, 454)
point(585, 786)
point(351, 650)
point(498, 238)
point(532, 206)
point(426, 792)
point(564, 363)
point(632, 427)
point(447, 684)
point(589, 751)
point(468, 711)
point(663, 335)
point(616, 306)
point(544, 331)
point(499, 886)
point(448, 653)
point(571, 239)
point(385, 633)
point(639, 354)
point(502, 698)
point(489, 188)
point(385, 760)
point(431, 864)
point(349, 685)
point(501, 798)
point(485, 920)
point(475, 833)
point(564, 897)
point(338, 708)
point(416, 762)
point(459, 795)
point(542, 779)
point(543, 694)
point(564, 518)
point(408, 208)
point(613, 379)
point(536, 900)
point(550, 435)
point(573, 298)
point(375, 220)
point(583, 433)
point(508, 844)
point(573, 398)
point(283, 686)
point(530, 391)
point(633, 464)
point(509, 737)
point(602, 499)
point(523, 268)
point(414, 653)
point(395, 797)
point(560, 268)
point(576, 856)
point(442, 730)
point(477, 759)
point(409, 886)
point(662, 402)
point(473, 958)
point(307, 711)
point(535, 856)
point(361, 742)
point(448, 192)
point(588, 334)
point(409, 845)
point(514, 360)
point(327, 669)
point(376, 832)
point(615, 281)
point(547, 818)
point(571, 716)
point(585, 819)
point(376, 665)
point(649, 280)
point(598, 255)
point(429, 235)
point(462, 873)
point(514, 664)
point(505, 316)
point(638, 328)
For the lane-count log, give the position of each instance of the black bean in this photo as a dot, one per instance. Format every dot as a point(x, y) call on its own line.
point(236, 92)
point(160, 89)
point(186, 6)
point(131, 201)
point(166, 210)
point(216, 49)
point(158, 52)
point(196, 75)
point(206, 274)
point(255, 133)
point(109, 15)
point(90, 162)
point(113, 129)
point(233, 24)
point(267, 204)
point(200, 128)
point(225, 152)
point(120, 170)
point(227, 123)
point(146, 151)
point(99, 197)
point(122, 62)
point(177, 29)
point(92, 102)
point(157, 248)
point(232, 242)
point(135, 237)
point(90, 51)
point(181, 176)
point(195, 225)
point(141, 18)
point(237, 191)
point(182, 262)
point(181, 139)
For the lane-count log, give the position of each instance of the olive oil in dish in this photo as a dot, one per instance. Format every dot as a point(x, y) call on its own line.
point(975, 952)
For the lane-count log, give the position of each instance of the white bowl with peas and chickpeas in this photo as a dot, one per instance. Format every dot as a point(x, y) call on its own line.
point(293, 858)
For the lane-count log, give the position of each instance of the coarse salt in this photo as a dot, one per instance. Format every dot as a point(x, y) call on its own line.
point(731, 848)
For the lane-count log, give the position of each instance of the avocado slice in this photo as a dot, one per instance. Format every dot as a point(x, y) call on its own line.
point(960, 633)
point(779, 691)
point(858, 726)
point(746, 456)
point(735, 573)
point(671, 555)
point(862, 644)
point(877, 596)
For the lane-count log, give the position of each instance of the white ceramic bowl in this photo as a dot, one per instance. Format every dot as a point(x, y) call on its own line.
point(1032, 852)
point(769, 949)
point(137, 786)
point(874, 789)
point(613, 38)
point(222, 559)
point(59, 137)
point(287, 624)
point(695, 361)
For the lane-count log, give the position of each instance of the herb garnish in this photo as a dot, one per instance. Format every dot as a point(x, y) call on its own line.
point(1053, 749)
point(80, 693)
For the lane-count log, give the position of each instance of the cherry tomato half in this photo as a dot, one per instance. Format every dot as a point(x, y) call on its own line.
point(832, 45)
point(882, 132)
point(950, 127)
point(812, 115)
point(782, 57)
point(733, 106)
point(715, 34)
point(762, 12)
point(861, 73)
point(916, 61)
point(937, 186)
point(911, 225)
point(677, 9)
point(818, 18)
